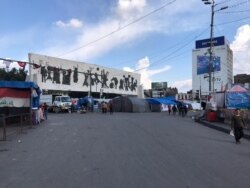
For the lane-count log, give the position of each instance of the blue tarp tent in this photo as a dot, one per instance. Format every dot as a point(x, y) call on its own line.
point(238, 100)
point(238, 97)
point(167, 101)
point(160, 104)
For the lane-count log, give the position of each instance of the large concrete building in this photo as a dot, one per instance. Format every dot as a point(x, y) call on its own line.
point(61, 75)
point(222, 65)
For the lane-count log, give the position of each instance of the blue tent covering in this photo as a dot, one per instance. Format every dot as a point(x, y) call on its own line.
point(85, 101)
point(238, 100)
point(165, 100)
point(18, 84)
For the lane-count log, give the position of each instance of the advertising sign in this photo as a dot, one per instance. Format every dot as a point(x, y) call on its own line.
point(159, 85)
point(203, 63)
point(238, 100)
point(217, 41)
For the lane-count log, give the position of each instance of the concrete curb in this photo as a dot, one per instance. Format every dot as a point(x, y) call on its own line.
point(220, 128)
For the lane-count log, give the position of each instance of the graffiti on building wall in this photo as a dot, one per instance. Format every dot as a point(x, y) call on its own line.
point(97, 77)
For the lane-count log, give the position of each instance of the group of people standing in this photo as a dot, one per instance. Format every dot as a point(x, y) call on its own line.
point(182, 109)
point(107, 107)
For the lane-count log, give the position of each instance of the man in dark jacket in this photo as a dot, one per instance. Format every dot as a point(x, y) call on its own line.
point(237, 124)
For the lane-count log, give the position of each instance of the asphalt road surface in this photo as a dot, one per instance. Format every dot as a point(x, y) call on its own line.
point(123, 150)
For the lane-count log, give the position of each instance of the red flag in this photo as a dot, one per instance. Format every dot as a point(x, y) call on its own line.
point(36, 66)
point(22, 64)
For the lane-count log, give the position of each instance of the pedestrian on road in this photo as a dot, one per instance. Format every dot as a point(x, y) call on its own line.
point(174, 108)
point(45, 110)
point(169, 109)
point(237, 124)
point(110, 107)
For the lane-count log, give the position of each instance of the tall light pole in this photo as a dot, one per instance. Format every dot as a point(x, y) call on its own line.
point(212, 3)
point(90, 80)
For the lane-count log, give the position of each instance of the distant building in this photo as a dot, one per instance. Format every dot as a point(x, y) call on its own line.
point(222, 69)
point(160, 89)
point(56, 75)
point(241, 79)
point(184, 96)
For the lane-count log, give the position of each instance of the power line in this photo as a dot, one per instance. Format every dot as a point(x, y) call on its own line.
point(175, 51)
point(238, 4)
point(119, 29)
point(224, 23)
point(231, 12)
point(156, 54)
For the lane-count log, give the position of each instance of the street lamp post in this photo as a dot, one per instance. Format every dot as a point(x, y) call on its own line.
point(212, 3)
point(90, 81)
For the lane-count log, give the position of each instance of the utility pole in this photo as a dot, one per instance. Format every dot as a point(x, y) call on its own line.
point(90, 80)
point(210, 67)
point(211, 47)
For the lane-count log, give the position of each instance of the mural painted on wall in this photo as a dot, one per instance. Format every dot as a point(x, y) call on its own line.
point(100, 77)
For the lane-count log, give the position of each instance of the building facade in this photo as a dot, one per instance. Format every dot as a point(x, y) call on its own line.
point(55, 74)
point(242, 78)
point(221, 69)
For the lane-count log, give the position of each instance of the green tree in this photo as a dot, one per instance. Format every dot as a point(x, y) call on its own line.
point(13, 75)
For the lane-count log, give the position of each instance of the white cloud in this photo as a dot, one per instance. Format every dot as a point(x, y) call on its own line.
point(128, 69)
point(128, 8)
point(142, 68)
point(241, 50)
point(183, 85)
point(99, 39)
point(73, 23)
point(86, 45)
point(10, 66)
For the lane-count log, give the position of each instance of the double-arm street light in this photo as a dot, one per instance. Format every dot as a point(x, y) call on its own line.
point(212, 3)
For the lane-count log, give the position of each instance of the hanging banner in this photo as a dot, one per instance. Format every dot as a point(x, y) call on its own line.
point(238, 100)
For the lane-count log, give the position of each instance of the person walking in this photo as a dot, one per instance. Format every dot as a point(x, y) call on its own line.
point(110, 108)
point(45, 110)
point(174, 108)
point(237, 125)
point(169, 109)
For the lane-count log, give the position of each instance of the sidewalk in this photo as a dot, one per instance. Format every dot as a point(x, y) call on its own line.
point(223, 127)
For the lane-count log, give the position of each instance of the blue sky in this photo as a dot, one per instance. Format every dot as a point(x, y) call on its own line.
point(151, 37)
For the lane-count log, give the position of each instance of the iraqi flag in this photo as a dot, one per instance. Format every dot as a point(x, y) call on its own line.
point(21, 64)
point(15, 100)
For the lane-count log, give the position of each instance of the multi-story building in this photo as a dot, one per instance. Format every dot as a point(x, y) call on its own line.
point(55, 75)
point(221, 65)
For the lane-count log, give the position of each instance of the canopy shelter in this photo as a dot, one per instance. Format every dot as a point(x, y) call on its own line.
point(18, 97)
point(160, 104)
point(238, 97)
point(129, 104)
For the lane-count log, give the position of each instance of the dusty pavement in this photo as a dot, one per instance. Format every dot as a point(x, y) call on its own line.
point(123, 150)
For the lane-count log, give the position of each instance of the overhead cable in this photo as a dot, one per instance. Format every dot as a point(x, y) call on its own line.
point(117, 30)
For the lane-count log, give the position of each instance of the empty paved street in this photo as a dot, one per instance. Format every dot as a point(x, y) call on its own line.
point(123, 150)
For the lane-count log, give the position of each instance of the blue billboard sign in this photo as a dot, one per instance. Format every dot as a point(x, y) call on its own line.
point(217, 41)
point(238, 100)
point(203, 63)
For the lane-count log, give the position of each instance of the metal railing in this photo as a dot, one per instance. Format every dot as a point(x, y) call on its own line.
point(20, 120)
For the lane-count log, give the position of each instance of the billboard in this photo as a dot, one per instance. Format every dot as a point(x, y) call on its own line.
point(238, 100)
point(217, 41)
point(159, 85)
point(203, 63)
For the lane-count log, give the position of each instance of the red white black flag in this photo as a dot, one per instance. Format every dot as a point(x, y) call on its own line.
point(22, 64)
point(36, 66)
